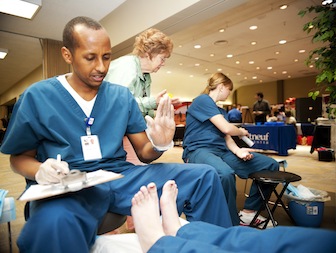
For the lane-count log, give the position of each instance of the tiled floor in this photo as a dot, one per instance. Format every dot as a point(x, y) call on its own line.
point(315, 174)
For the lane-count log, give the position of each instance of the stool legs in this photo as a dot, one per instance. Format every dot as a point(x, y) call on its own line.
point(272, 179)
point(277, 203)
point(9, 237)
point(265, 205)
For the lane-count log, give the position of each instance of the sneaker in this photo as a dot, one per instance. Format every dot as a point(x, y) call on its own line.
point(246, 219)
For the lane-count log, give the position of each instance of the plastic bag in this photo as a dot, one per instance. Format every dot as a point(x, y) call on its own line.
point(306, 194)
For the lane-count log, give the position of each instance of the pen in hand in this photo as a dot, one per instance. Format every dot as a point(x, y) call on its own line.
point(59, 159)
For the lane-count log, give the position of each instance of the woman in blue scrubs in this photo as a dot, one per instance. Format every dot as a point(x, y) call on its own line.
point(207, 140)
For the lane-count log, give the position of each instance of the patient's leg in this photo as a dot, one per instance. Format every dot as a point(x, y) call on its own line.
point(170, 218)
point(146, 216)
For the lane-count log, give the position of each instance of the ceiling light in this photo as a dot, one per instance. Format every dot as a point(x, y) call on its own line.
point(229, 56)
point(254, 77)
point(283, 7)
point(24, 9)
point(284, 72)
point(296, 60)
point(197, 46)
point(251, 62)
point(197, 64)
point(221, 30)
point(253, 27)
point(219, 70)
point(253, 43)
point(302, 51)
point(237, 62)
point(3, 53)
point(269, 68)
point(212, 55)
point(282, 42)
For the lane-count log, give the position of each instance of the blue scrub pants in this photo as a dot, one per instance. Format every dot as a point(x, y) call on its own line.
point(69, 223)
point(227, 166)
point(203, 237)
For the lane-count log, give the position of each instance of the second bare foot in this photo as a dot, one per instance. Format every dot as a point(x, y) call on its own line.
point(170, 218)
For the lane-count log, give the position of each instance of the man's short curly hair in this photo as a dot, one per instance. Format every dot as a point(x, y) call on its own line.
point(69, 40)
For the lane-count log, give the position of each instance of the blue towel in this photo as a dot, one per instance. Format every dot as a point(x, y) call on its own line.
point(3, 194)
point(292, 189)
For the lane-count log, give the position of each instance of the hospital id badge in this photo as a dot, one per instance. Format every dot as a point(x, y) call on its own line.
point(91, 147)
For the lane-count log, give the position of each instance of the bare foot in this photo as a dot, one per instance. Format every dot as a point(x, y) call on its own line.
point(170, 218)
point(146, 216)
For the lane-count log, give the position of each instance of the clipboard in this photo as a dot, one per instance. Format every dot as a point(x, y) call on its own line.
point(37, 191)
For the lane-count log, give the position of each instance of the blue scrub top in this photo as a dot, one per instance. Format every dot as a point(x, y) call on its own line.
point(200, 132)
point(48, 119)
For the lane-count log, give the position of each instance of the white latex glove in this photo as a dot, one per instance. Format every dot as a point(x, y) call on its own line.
point(51, 171)
point(161, 129)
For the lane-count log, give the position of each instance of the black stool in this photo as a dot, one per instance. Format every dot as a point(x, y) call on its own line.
point(273, 178)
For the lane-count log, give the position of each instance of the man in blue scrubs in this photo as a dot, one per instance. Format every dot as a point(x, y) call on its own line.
point(84, 119)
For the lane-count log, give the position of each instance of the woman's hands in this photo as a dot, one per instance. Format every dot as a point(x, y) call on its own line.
point(173, 101)
point(244, 153)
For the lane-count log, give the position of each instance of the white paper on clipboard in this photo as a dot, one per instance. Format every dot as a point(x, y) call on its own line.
point(35, 192)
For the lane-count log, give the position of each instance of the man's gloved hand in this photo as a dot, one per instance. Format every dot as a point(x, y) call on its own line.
point(161, 129)
point(51, 171)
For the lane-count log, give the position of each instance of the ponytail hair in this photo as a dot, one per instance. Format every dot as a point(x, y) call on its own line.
point(215, 80)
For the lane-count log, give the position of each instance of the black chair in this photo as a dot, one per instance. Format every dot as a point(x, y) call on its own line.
point(282, 164)
point(322, 136)
point(273, 178)
point(110, 222)
point(178, 136)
